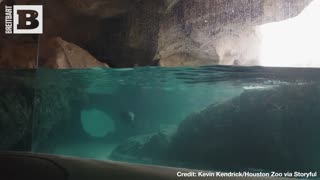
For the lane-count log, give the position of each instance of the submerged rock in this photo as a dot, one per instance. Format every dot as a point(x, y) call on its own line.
point(148, 149)
point(57, 116)
point(274, 129)
point(16, 109)
point(270, 129)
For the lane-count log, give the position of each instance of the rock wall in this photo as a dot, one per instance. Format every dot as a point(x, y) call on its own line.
point(57, 112)
point(128, 33)
point(219, 31)
point(16, 110)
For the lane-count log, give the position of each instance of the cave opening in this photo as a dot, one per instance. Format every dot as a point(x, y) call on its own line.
point(293, 42)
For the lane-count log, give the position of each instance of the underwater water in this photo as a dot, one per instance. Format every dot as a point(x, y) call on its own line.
point(99, 109)
point(214, 118)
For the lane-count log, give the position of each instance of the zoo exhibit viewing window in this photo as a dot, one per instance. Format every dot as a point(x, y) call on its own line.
point(146, 82)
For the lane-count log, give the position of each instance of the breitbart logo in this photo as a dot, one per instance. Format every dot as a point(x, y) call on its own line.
point(23, 19)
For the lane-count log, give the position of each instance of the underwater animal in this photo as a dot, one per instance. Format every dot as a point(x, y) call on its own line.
point(131, 116)
point(128, 118)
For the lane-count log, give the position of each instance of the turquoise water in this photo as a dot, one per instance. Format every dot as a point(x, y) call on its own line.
point(109, 106)
point(226, 118)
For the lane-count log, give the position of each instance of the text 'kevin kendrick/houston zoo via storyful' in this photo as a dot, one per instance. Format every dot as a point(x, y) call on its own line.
point(248, 174)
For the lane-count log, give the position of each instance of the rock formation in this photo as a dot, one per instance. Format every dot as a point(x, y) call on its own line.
point(18, 53)
point(100, 8)
point(147, 149)
point(57, 116)
point(127, 33)
point(16, 110)
point(59, 54)
point(266, 129)
point(270, 129)
point(219, 32)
